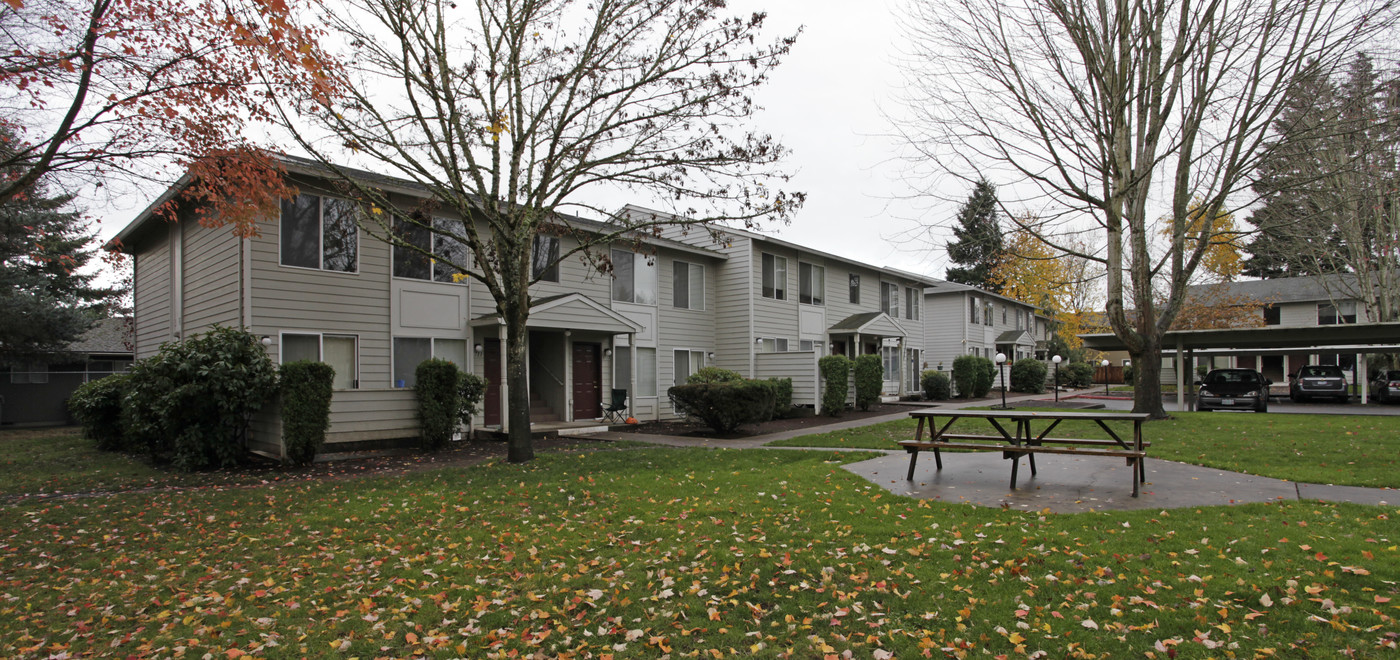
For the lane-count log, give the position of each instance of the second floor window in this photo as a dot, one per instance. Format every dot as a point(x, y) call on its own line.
point(911, 303)
point(544, 259)
point(1343, 312)
point(774, 277)
point(1273, 315)
point(634, 278)
point(447, 251)
point(811, 288)
point(320, 232)
point(688, 286)
point(855, 289)
point(987, 314)
point(889, 298)
point(973, 306)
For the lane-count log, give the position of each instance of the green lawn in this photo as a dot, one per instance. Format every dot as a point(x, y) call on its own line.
point(1353, 450)
point(692, 553)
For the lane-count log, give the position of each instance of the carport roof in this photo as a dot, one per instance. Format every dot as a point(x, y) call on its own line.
point(1270, 337)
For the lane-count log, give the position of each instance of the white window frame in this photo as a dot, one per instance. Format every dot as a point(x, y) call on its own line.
point(779, 283)
point(773, 345)
point(639, 262)
point(320, 239)
point(655, 373)
point(691, 269)
point(889, 299)
point(813, 282)
point(321, 349)
point(975, 310)
point(554, 256)
point(435, 243)
point(690, 362)
point(911, 303)
point(853, 284)
point(432, 353)
point(34, 373)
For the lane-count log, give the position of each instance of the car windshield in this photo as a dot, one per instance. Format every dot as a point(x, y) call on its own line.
point(1231, 377)
point(1317, 372)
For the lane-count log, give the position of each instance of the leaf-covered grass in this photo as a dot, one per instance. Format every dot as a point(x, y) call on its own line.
point(692, 553)
point(1352, 450)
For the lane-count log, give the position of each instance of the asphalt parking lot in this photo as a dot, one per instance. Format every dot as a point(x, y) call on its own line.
point(1281, 405)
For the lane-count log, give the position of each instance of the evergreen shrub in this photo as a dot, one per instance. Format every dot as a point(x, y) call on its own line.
point(713, 375)
point(471, 389)
point(836, 373)
point(973, 376)
point(306, 408)
point(936, 384)
point(782, 396)
point(870, 377)
point(725, 405)
point(439, 402)
point(1077, 375)
point(97, 405)
point(1028, 375)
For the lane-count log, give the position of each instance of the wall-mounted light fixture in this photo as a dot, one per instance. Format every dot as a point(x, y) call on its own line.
point(266, 340)
point(568, 333)
point(477, 348)
point(607, 352)
point(710, 355)
point(758, 340)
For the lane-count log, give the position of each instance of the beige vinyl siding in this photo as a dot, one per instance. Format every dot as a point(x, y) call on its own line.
point(371, 414)
point(152, 296)
point(690, 329)
point(772, 317)
point(265, 430)
point(729, 307)
point(210, 277)
point(800, 366)
point(1304, 313)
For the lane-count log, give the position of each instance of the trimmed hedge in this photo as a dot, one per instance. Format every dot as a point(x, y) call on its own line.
point(190, 404)
point(937, 386)
point(836, 373)
point(974, 376)
point(97, 405)
point(870, 378)
point(725, 405)
point(782, 392)
point(439, 402)
point(1028, 375)
point(713, 375)
point(306, 408)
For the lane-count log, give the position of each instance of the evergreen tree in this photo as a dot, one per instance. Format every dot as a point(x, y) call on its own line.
point(47, 300)
point(979, 247)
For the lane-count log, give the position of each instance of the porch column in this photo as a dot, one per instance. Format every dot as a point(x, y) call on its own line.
point(1363, 377)
point(1180, 378)
point(898, 360)
point(632, 385)
point(1191, 365)
point(505, 380)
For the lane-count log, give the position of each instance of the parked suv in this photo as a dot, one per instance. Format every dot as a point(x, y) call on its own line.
point(1233, 389)
point(1318, 380)
point(1385, 386)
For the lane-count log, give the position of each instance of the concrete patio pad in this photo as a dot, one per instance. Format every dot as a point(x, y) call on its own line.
point(1073, 484)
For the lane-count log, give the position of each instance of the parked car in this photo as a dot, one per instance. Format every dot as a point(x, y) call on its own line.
point(1385, 386)
point(1233, 389)
point(1319, 380)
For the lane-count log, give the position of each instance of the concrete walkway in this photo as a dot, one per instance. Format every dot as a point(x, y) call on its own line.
point(1065, 484)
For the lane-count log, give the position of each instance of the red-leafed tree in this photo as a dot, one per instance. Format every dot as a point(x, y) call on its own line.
point(104, 91)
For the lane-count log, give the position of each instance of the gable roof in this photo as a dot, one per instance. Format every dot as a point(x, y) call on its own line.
point(106, 336)
point(877, 324)
point(941, 288)
point(1339, 286)
point(569, 311)
point(1014, 337)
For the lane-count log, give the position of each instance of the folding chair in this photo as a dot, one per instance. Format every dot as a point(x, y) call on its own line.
point(616, 412)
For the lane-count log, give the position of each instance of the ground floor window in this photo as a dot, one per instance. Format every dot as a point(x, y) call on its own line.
point(687, 363)
point(646, 371)
point(409, 352)
point(889, 356)
point(339, 351)
point(773, 345)
point(29, 373)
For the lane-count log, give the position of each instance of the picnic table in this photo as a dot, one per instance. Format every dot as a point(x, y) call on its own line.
point(1025, 440)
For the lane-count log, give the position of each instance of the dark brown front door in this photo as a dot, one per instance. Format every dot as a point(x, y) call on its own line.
point(492, 365)
point(588, 381)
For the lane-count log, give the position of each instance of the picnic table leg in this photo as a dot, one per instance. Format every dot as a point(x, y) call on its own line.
point(913, 458)
point(1015, 463)
point(1025, 434)
point(1138, 463)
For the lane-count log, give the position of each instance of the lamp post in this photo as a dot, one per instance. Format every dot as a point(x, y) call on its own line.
point(1001, 367)
point(1104, 364)
point(1056, 359)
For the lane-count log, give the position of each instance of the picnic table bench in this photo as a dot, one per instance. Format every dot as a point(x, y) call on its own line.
point(1025, 441)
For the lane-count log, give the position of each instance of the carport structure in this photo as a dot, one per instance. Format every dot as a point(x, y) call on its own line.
point(1358, 338)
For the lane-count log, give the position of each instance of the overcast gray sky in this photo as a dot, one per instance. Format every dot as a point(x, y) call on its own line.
point(827, 102)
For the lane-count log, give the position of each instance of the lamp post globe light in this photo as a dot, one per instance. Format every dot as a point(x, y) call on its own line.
point(1104, 364)
point(1001, 367)
point(1056, 359)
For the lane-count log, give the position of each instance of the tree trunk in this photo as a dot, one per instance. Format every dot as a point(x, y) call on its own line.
point(519, 448)
point(1147, 374)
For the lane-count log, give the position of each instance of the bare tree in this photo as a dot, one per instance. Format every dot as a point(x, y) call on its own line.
point(510, 113)
point(1114, 113)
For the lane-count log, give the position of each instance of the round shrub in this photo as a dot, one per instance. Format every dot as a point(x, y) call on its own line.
point(937, 386)
point(306, 408)
point(1128, 374)
point(973, 375)
point(97, 405)
point(471, 388)
point(836, 373)
point(723, 406)
point(870, 378)
point(1028, 375)
point(713, 375)
point(439, 402)
point(190, 404)
point(1077, 374)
